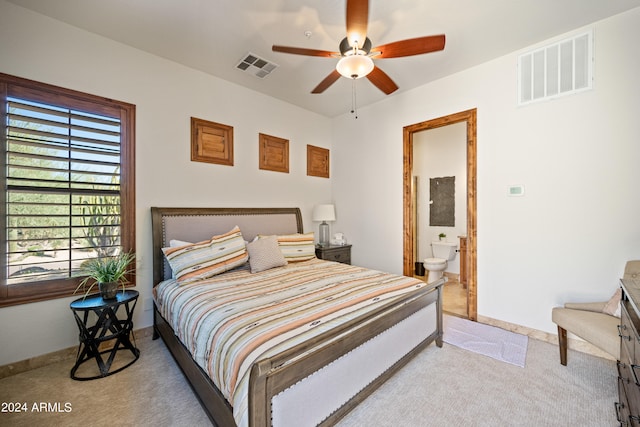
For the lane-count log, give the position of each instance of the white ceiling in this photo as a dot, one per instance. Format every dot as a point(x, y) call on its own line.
point(214, 35)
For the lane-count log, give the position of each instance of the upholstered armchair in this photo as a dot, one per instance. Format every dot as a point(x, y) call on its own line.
point(596, 322)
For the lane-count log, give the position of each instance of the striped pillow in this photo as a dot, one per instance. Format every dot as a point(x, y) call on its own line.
point(206, 259)
point(297, 247)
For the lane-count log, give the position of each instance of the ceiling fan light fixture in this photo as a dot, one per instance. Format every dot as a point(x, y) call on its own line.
point(356, 51)
point(355, 66)
point(349, 48)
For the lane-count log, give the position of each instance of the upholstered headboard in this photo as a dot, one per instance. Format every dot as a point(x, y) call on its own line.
point(198, 224)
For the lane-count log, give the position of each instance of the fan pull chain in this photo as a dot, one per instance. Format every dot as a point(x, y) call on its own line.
point(354, 104)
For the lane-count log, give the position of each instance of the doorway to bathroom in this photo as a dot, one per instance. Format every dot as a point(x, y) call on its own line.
point(440, 154)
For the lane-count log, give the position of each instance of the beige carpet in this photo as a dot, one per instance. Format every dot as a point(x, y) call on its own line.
point(440, 387)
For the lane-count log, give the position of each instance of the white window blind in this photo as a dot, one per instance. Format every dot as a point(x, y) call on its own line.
point(62, 189)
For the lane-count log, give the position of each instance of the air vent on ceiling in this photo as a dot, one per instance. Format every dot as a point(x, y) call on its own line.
point(559, 69)
point(256, 66)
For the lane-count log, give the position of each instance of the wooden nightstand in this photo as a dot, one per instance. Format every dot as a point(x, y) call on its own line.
point(338, 253)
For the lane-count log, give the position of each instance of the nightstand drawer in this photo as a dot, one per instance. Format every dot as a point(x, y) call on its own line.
point(339, 256)
point(335, 253)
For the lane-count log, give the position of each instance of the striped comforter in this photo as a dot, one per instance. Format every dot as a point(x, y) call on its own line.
point(234, 319)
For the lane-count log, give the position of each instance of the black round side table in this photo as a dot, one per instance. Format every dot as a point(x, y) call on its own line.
point(107, 327)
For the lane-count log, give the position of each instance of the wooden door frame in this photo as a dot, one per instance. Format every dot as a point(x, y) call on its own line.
point(469, 117)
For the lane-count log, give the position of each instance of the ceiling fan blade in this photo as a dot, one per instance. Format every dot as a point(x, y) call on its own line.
point(410, 47)
point(357, 21)
point(328, 81)
point(303, 51)
point(382, 81)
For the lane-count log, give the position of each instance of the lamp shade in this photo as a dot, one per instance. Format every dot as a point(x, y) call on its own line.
point(323, 213)
point(355, 66)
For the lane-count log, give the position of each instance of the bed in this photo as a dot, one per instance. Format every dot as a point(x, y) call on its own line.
point(311, 373)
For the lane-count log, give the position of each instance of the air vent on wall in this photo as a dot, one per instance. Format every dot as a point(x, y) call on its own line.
point(558, 69)
point(256, 66)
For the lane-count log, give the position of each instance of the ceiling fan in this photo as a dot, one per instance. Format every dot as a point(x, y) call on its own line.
point(356, 52)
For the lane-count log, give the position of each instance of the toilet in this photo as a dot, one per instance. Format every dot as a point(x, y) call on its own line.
point(442, 252)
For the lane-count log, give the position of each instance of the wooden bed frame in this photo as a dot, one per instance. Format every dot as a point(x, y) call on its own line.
point(273, 375)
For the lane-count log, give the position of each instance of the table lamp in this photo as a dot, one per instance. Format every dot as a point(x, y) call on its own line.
point(324, 213)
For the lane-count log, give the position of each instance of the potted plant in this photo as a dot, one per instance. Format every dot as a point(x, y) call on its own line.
point(108, 273)
point(442, 236)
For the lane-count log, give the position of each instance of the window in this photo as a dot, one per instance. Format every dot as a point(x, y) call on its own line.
point(68, 169)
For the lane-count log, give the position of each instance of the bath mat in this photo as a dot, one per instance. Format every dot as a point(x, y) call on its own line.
point(486, 340)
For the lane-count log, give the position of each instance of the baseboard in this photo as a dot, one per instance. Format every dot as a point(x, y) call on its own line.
point(56, 356)
point(573, 343)
point(452, 276)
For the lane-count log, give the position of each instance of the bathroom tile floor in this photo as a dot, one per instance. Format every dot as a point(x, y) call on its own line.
point(454, 296)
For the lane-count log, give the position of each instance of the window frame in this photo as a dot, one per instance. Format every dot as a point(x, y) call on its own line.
point(18, 87)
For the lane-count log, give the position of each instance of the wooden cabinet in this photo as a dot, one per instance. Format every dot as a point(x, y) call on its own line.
point(628, 405)
point(463, 262)
point(338, 253)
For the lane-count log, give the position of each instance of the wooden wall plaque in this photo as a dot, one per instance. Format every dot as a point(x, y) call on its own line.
point(317, 161)
point(211, 142)
point(273, 153)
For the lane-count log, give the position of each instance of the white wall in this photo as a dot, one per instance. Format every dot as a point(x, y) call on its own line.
point(436, 153)
point(166, 95)
point(569, 237)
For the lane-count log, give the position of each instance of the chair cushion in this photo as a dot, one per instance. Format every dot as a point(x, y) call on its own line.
point(598, 329)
